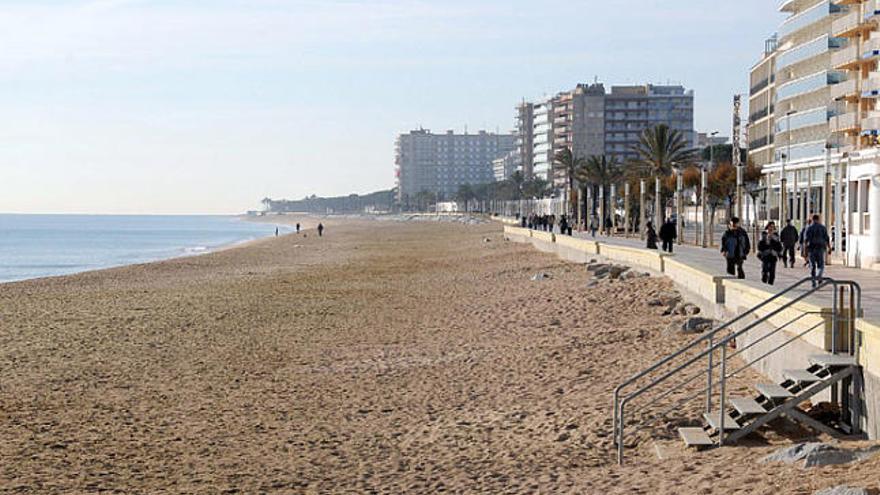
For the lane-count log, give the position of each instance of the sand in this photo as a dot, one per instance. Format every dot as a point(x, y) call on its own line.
point(382, 358)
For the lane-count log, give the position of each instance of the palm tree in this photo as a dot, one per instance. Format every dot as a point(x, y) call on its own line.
point(267, 204)
point(518, 180)
point(661, 149)
point(568, 164)
point(602, 172)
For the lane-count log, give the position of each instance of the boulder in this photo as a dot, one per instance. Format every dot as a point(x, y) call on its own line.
point(697, 324)
point(540, 276)
point(842, 490)
point(812, 454)
point(598, 268)
point(617, 271)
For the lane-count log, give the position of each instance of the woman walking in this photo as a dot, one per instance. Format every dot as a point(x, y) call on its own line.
point(769, 251)
point(651, 235)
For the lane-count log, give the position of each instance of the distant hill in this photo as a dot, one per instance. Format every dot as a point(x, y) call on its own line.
point(353, 203)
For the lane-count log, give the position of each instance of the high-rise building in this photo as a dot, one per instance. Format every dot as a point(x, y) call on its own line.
point(525, 122)
point(629, 110)
point(592, 122)
point(704, 140)
point(813, 115)
point(503, 167)
point(441, 163)
point(762, 96)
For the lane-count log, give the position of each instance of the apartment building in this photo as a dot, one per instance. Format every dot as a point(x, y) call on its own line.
point(629, 110)
point(591, 121)
point(506, 165)
point(441, 163)
point(814, 121)
point(525, 122)
point(762, 96)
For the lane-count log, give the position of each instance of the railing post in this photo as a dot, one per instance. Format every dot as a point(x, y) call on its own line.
point(721, 408)
point(709, 378)
point(834, 319)
point(620, 434)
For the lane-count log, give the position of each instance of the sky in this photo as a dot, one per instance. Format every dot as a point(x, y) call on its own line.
point(176, 106)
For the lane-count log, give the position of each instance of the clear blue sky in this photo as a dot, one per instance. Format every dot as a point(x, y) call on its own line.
point(140, 106)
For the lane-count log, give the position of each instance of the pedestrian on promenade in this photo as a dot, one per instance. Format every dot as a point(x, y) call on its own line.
point(789, 237)
point(769, 251)
point(320, 230)
point(668, 234)
point(523, 221)
point(735, 248)
point(594, 225)
point(551, 220)
point(297, 228)
point(802, 243)
point(651, 235)
point(563, 225)
point(817, 245)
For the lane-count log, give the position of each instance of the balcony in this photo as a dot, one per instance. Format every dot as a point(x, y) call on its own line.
point(848, 24)
point(871, 123)
point(760, 114)
point(808, 84)
point(844, 122)
point(807, 18)
point(844, 90)
point(871, 87)
point(808, 50)
point(760, 85)
point(760, 142)
point(801, 120)
point(846, 58)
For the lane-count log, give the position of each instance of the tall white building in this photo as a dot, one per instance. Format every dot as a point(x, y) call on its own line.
point(814, 122)
point(542, 141)
point(441, 163)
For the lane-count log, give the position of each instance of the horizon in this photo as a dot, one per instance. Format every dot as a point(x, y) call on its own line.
point(166, 107)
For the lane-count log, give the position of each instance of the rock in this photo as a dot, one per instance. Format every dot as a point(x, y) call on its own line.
point(540, 276)
point(666, 299)
point(487, 240)
point(555, 322)
point(598, 268)
point(617, 271)
point(682, 309)
point(812, 454)
point(592, 283)
point(842, 490)
point(629, 275)
point(563, 437)
point(697, 324)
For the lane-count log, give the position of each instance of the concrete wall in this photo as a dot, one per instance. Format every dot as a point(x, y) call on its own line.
point(806, 325)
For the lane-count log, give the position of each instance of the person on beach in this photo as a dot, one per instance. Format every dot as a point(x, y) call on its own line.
point(769, 250)
point(297, 228)
point(817, 244)
point(320, 230)
point(735, 248)
point(668, 234)
point(594, 225)
point(651, 235)
point(276, 231)
point(789, 237)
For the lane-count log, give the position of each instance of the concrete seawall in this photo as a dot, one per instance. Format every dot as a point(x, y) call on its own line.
point(724, 298)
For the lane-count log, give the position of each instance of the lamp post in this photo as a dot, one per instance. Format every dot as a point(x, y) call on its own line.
point(783, 200)
point(703, 203)
point(679, 203)
point(626, 222)
point(642, 188)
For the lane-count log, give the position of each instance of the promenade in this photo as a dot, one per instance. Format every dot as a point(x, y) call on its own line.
point(709, 260)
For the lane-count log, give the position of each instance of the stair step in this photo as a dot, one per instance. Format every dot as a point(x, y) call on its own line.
point(773, 391)
point(833, 360)
point(800, 376)
point(714, 420)
point(746, 406)
point(695, 437)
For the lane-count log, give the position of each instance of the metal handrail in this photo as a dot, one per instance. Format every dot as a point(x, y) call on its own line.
point(619, 405)
point(694, 343)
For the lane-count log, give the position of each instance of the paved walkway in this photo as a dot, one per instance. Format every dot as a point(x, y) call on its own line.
point(710, 261)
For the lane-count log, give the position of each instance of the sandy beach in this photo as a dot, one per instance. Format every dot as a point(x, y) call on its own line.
point(385, 357)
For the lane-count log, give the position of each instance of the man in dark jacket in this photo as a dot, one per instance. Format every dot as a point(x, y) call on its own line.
point(789, 237)
point(817, 245)
point(668, 234)
point(769, 251)
point(735, 248)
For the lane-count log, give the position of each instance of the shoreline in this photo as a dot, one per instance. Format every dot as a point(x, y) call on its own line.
point(184, 251)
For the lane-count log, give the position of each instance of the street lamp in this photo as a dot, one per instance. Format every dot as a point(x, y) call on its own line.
point(712, 149)
point(783, 180)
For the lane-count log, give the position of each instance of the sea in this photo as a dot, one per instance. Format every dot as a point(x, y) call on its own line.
point(34, 246)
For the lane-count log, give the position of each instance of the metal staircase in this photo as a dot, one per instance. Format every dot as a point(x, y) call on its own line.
point(675, 379)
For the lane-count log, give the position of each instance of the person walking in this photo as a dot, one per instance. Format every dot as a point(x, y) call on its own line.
point(769, 250)
point(802, 243)
point(594, 225)
point(276, 231)
point(789, 237)
point(297, 228)
point(668, 234)
point(563, 225)
point(651, 235)
point(817, 244)
point(320, 230)
point(735, 248)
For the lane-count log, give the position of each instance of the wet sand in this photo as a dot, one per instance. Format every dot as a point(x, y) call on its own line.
point(382, 358)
